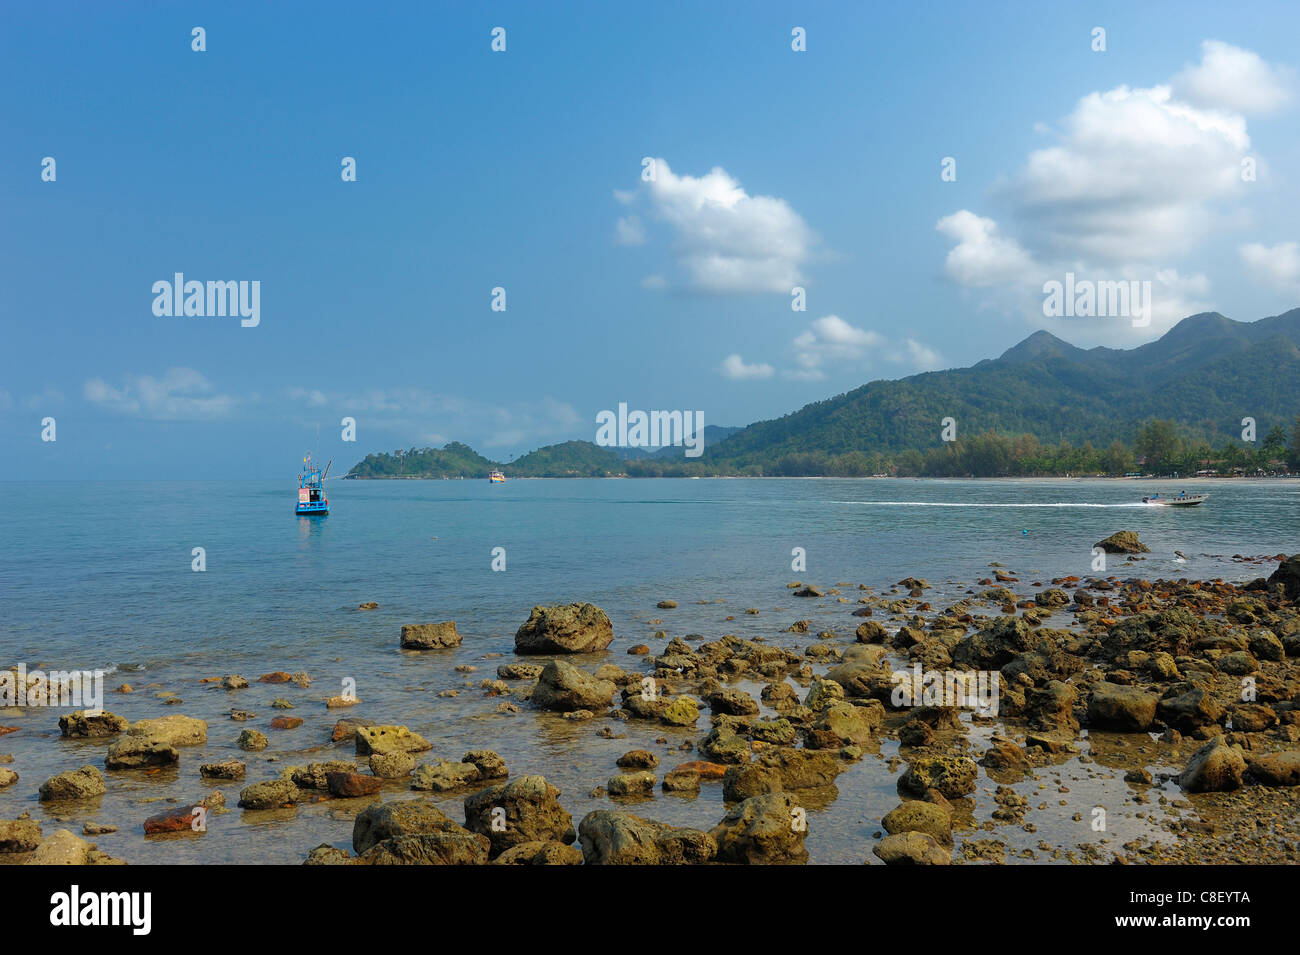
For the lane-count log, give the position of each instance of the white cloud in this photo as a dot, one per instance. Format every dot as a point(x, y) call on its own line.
point(831, 340)
point(654, 283)
point(1278, 265)
point(181, 394)
point(1234, 79)
point(727, 241)
point(1135, 179)
point(629, 230)
point(919, 356)
point(734, 367)
point(981, 257)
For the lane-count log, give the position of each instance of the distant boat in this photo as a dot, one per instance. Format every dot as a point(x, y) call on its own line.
point(496, 477)
point(1180, 500)
point(311, 489)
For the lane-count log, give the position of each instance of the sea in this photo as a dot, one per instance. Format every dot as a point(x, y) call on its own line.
point(163, 584)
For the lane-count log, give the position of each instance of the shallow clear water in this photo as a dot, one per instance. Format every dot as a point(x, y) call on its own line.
point(98, 575)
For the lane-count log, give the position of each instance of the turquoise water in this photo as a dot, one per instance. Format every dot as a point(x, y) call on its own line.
point(98, 575)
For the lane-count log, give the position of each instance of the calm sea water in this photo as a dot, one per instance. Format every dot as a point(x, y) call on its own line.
point(98, 575)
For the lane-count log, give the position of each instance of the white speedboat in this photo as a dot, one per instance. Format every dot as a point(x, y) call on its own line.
point(1176, 500)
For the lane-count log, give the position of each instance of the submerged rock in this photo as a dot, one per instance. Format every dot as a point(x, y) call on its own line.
point(1123, 542)
point(430, 636)
point(83, 725)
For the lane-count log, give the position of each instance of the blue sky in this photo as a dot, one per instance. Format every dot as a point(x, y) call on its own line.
point(523, 170)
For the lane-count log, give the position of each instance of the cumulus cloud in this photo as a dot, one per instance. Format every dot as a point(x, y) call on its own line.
point(981, 257)
point(724, 240)
point(181, 394)
point(1234, 79)
point(1134, 179)
point(734, 367)
point(831, 341)
point(1278, 265)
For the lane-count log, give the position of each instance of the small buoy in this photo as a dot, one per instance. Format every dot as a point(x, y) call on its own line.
point(1025, 531)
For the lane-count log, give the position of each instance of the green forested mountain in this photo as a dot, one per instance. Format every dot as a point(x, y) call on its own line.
point(570, 459)
point(1043, 407)
point(456, 460)
point(1206, 374)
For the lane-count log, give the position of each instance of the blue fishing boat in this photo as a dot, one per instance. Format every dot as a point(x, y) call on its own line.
point(311, 489)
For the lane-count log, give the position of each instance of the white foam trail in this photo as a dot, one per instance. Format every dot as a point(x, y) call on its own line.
point(977, 504)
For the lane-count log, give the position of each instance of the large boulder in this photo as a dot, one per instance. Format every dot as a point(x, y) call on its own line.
point(1124, 708)
point(1276, 769)
point(66, 848)
point(389, 739)
point(762, 830)
point(540, 853)
point(271, 794)
point(1123, 542)
point(559, 628)
point(1215, 767)
point(620, 838)
point(911, 848)
point(841, 723)
point(780, 770)
point(19, 835)
point(175, 730)
point(430, 636)
point(920, 816)
point(953, 776)
point(456, 847)
point(531, 813)
point(1190, 710)
point(134, 752)
point(83, 724)
point(395, 820)
point(82, 783)
point(1288, 575)
point(564, 688)
point(316, 775)
point(995, 645)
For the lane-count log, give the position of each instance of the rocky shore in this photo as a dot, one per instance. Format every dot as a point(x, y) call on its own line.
point(1165, 708)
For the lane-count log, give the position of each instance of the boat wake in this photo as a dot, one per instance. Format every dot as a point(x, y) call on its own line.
point(982, 504)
